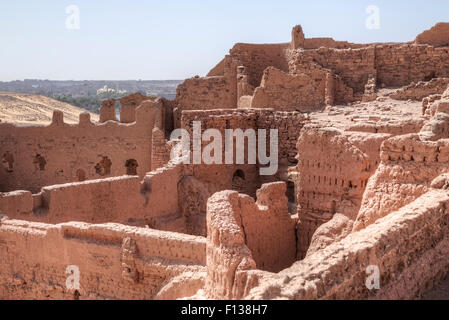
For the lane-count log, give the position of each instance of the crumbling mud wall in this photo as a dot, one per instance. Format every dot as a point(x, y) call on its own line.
point(333, 171)
point(408, 167)
point(284, 92)
point(409, 247)
point(419, 91)
point(401, 244)
point(227, 256)
point(300, 41)
point(401, 64)
point(211, 92)
point(34, 157)
point(246, 235)
point(114, 261)
point(257, 57)
point(98, 201)
point(334, 168)
point(354, 66)
point(280, 76)
point(207, 93)
point(288, 124)
point(409, 164)
point(126, 199)
point(392, 65)
point(437, 36)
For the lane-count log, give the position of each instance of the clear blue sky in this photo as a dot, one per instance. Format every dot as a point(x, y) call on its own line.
point(174, 39)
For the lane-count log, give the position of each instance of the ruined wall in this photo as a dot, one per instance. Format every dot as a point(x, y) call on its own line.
point(257, 57)
point(399, 65)
point(354, 66)
point(115, 261)
point(269, 228)
point(409, 164)
point(284, 92)
point(127, 200)
point(212, 92)
point(288, 124)
point(421, 90)
point(300, 41)
point(315, 43)
point(244, 235)
point(408, 167)
point(160, 187)
point(437, 36)
point(392, 65)
point(409, 246)
point(97, 201)
point(220, 177)
point(160, 150)
point(206, 93)
point(334, 168)
point(227, 256)
point(218, 90)
point(34, 157)
point(128, 106)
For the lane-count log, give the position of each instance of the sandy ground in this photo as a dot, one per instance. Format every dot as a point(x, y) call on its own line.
point(30, 109)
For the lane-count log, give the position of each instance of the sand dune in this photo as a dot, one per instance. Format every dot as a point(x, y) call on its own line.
point(22, 108)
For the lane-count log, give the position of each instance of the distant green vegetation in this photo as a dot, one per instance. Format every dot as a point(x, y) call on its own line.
point(91, 103)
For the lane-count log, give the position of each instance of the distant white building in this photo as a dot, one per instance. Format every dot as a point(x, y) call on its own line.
point(106, 89)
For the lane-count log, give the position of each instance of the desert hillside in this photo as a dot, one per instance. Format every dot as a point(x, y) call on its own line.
point(24, 108)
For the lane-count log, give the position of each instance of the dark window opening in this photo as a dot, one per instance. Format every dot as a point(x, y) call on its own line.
point(81, 175)
point(290, 193)
point(40, 162)
point(131, 167)
point(103, 168)
point(430, 76)
point(8, 162)
point(238, 181)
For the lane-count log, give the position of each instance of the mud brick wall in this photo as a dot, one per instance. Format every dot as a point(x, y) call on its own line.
point(331, 180)
point(288, 124)
point(401, 244)
point(284, 92)
point(419, 91)
point(354, 66)
point(34, 157)
point(399, 65)
point(127, 200)
point(115, 261)
point(245, 235)
point(257, 57)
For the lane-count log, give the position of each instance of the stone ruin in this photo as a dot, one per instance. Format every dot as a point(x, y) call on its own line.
point(363, 181)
